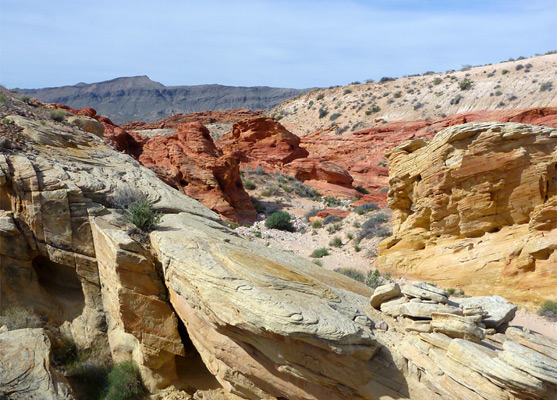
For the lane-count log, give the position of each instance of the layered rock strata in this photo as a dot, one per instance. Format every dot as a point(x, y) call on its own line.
point(476, 208)
point(267, 324)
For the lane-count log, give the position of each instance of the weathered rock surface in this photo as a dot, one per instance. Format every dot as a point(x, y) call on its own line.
point(476, 208)
point(384, 293)
point(25, 370)
point(190, 162)
point(265, 323)
point(499, 310)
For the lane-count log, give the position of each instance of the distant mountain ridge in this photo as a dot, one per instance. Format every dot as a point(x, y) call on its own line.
point(139, 98)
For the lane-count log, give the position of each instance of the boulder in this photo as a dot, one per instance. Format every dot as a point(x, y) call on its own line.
point(499, 310)
point(383, 293)
point(424, 291)
point(456, 326)
point(424, 310)
point(25, 369)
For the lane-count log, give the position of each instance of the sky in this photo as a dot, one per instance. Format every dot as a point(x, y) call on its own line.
point(282, 43)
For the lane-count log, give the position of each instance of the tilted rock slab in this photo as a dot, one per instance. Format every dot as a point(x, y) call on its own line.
point(476, 208)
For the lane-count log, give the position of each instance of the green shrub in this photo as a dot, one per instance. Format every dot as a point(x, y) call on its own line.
point(17, 317)
point(323, 113)
point(259, 207)
point(320, 253)
point(330, 201)
point(249, 185)
point(320, 96)
point(349, 236)
point(318, 262)
point(304, 191)
point(373, 109)
point(26, 99)
point(549, 306)
point(66, 353)
point(372, 227)
point(271, 190)
point(259, 170)
point(334, 116)
point(142, 214)
point(374, 279)
point(455, 100)
point(466, 84)
point(352, 273)
point(504, 72)
point(336, 242)
point(546, 86)
point(397, 95)
point(333, 228)
point(329, 219)
point(362, 189)
point(357, 247)
point(124, 382)
point(311, 213)
point(366, 207)
point(317, 224)
point(384, 190)
point(280, 220)
point(57, 115)
point(437, 81)
point(257, 234)
point(2, 98)
point(386, 79)
point(347, 91)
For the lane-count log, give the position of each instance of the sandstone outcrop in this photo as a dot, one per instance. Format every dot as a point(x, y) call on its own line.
point(474, 208)
point(190, 162)
point(266, 323)
point(25, 369)
point(361, 153)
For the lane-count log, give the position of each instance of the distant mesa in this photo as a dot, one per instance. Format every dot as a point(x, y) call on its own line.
point(139, 98)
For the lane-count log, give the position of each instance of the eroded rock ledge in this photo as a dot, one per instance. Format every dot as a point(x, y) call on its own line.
point(476, 208)
point(266, 323)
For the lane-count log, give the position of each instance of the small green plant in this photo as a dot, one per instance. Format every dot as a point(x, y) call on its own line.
point(437, 81)
point(334, 116)
point(366, 207)
point(546, 86)
point(335, 242)
point(249, 185)
point(333, 228)
point(362, 189)
point(66, 353)
point(57, 115)
point(373, 109)
point(329, 219)
point(259, 170)
point(320, 96)
point(504, 72)
point(549, 306)
point(331, 201)
point(466, 84)
point(372, 227)
point(280, 220)
point(397, 95)
point(357, 247)
point(26, 99)
point(320, 253)
point(347, 91)
point(323, 113)
point(271, 190)
point(455, 100)
point(311, 213)
point(124, 382)
point(317, 224)
point(318, 262)
point(350, 236)
point(352, 273)
point(142, 214)
point(257, 234)
point(2, 98)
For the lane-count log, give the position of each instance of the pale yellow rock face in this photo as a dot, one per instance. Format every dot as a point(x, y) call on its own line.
point(476, 208)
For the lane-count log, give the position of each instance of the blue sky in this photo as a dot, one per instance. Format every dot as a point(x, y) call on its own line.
point(285, 43)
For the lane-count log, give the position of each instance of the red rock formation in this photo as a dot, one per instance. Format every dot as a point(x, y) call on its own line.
point(325, 176)
point(204, 117)
point(190, 161)
point(378, 198)
point(333, 211)
point(262, 141)
point(362, 153)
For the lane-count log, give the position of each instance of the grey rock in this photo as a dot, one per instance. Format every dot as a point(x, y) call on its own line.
point(423, 292)
point(500, 310)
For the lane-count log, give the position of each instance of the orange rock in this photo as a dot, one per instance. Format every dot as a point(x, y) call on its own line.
point(262, 140)
point(378, 198)
point(190, 161)
point(333, 211)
